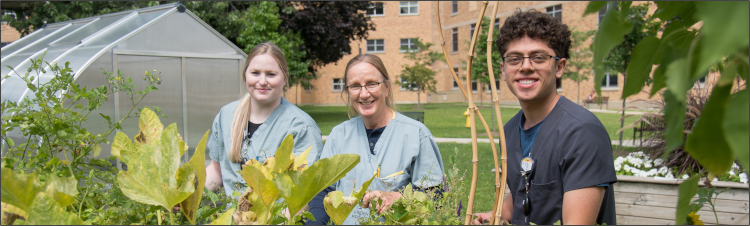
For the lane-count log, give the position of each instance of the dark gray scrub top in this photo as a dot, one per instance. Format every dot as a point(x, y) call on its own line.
point(571, 151)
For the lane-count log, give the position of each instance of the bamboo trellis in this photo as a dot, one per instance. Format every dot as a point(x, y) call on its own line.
point(500, 183)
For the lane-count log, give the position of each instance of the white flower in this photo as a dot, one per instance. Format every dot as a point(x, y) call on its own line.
point(743, 177)
point(618, 167)
point(647, 164)
point(715, 179)
point(652, 172)
point(731, 172)
point(735, 166)
point(663, 170)
point(685, 176)
point(669, 175)
point(628, 168)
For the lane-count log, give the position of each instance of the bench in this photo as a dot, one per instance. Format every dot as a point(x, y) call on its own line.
point(605, 100)
point(416, 115)
point(644, 127)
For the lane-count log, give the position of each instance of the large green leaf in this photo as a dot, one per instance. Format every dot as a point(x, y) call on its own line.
point(706, 142)
point(610, 33)
point(594, 7)
point(189, 206)
point(681, 13)
point(644, 55)
point(19, 189)
point(675, 109)
point(676, 79)
point(334, 200)
point(154, 174)
point(122, 147)
point(735, 126)
point(725, 28)
point(62, 190)
point(299, 188)
point(284, 155)
point(687, 189)
point(659, 82)
point(46, 211)
point(261, 181)
point(224, 219)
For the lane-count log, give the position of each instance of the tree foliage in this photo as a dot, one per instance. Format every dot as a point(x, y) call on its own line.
point(479, 64)
point(579, 65)
point(419, 76)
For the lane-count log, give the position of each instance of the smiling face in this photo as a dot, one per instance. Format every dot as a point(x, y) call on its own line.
point(264, 79)
point(528, 83)
point(366, 102)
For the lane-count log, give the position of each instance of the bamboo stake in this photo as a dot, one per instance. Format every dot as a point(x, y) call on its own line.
point(499, 188)
point(472, 112)
point(476, 110)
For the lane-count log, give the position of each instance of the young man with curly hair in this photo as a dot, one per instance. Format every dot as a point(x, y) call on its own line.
point(560, 165)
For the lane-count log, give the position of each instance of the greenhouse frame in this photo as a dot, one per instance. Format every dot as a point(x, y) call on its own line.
point(201, 70)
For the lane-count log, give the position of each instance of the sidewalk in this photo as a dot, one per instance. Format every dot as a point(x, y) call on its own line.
point(626, 143)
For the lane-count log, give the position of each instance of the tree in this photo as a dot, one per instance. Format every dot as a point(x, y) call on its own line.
point(419, 76)
point(479, 64)
point(618, 58)
point(579, 65)
point(327, 28)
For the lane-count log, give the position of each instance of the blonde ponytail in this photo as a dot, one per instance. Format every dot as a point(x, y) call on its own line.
point(239, 123)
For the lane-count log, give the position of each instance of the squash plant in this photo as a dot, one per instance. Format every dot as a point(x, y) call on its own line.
point(677, 57)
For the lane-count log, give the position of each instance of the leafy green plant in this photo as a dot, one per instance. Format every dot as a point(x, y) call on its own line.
point(39, 203)
point(682, 54)
point(419, 76)
point(339, 207)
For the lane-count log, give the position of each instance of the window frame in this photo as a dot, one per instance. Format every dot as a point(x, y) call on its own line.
point(411, 42)
point(474, 86)
point(340, 83)
point(410, 87)
point(497, 85)
point(604, 11)
point(608, 80)
point(555, 11)
point(408, 6)
point(454, 35)
point(375, 45)
point(472, 27)
point(455, 84)
point(374, 9)
point(454, 7)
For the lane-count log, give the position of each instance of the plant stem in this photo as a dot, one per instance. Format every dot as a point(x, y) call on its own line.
point(171, 217)
point(82, 201)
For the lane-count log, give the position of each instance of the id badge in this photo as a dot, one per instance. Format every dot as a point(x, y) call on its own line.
point(526, 164)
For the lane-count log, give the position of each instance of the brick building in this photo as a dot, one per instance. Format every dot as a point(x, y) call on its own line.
point(399, 22)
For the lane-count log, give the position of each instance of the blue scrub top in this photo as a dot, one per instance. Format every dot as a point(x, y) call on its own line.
point(405, 145)
point(284, 120)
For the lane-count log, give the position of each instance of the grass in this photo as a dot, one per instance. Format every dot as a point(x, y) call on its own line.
point(447, 120)
point(485, 193)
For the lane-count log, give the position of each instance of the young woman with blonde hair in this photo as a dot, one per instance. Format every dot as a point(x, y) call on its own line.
point(254, 126)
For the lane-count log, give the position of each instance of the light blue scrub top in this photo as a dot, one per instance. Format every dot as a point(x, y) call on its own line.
point(285, 119)
point(405, 145)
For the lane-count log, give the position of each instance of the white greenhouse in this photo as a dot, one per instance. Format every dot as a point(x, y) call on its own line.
point(201, 70)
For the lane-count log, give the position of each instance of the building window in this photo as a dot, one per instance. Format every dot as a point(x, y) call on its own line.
point(497, 24)
point(497, 85)
point(474, 86)
point(376, 9)
point(555, 11)
point(338, 84)
point(455, 39)
point(376, 46)
point(455, 84)
point(308, 87)
point(609, 81)
point(409, 44)
point(605, 8)
point(454, 7)
point(408, 8)
point(405, 86)
point(471, 30)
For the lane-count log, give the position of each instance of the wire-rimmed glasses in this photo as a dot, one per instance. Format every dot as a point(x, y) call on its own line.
point(537, 61)
point(370, 86)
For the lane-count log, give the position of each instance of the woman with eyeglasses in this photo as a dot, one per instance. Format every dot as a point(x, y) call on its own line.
point(397, 149)
point(254, 126)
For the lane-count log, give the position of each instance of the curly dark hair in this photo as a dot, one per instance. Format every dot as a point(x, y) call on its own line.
point(536, 25)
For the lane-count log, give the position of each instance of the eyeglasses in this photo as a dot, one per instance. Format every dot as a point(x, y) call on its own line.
point(370, 86)
point(537, 61)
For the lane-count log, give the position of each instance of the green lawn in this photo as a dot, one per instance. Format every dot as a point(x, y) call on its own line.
point(447, 120)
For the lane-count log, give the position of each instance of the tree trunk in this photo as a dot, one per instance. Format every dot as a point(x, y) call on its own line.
point(622, 123)
point(418, 97)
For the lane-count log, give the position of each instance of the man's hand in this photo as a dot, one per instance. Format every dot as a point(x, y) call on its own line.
point(387, 197)
point(482, 218)
point(581, 206)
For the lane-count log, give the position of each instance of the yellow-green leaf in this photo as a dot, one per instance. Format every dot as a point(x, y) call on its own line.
point(45, 211)
point(189, 206)
point(334, 200)
point(687, 189)
point(62, 190)
point(284, 155)
point(122, 147)
point(10, 213)
point(301, 160)
point(150, 126)
point(224, 219)
point(96, 149)
point(594, 6)
point(302, 187)
point(259, 181)
point(19, 189)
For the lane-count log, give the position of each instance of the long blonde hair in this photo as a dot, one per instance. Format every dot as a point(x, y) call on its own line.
point(378, 64)
point(242, 111)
